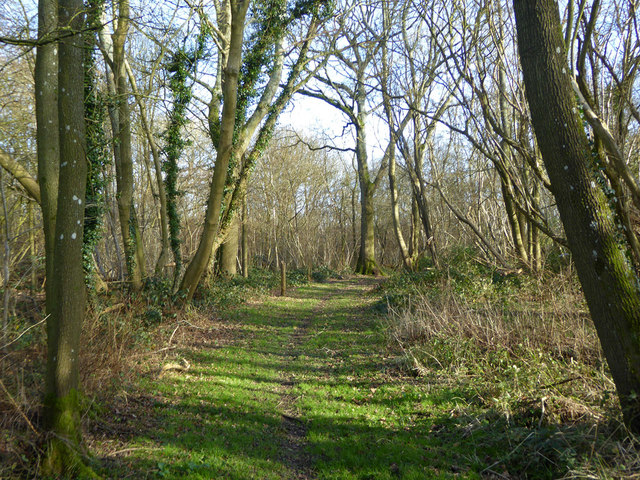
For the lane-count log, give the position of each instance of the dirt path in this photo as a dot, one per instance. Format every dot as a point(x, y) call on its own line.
point(295, 452)
point(300, 387)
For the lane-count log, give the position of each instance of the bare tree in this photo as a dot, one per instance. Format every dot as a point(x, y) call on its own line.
point(345, 84)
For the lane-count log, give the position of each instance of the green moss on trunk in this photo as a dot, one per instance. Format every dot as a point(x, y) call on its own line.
point(64, 457)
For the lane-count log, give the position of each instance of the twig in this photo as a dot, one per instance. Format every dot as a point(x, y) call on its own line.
point(133, 449)
point(488, 469)
point(170, 347)
point(112, 308)
point(186, 323)
point(174, 332)
point(542, 400)
point(17, 407)
point(18, 337)
point(194, 326)
point(555, 384)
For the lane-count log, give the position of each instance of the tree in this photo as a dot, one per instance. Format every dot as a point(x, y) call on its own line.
point(251, 104)
point(117, 80)
point(67, 304)
point(487, 94)
point(608, 280)
point(409, 71)
point(238, 12)
point(345, 85)
point(46, 87)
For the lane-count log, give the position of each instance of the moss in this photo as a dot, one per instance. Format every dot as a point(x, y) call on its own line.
point(64, 458)
point(367, 266)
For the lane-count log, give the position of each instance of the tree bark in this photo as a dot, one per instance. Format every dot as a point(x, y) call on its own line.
point(245, 240)
point(366, 264)
point(407, 259)
point(608, 281)
point(228, 251)
point(20, 173)
point(48, 146)
point(61, 408)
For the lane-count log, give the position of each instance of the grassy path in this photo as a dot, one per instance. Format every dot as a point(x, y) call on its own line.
point(299, 387)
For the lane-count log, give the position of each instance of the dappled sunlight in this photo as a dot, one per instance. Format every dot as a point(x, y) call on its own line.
point(311, 388)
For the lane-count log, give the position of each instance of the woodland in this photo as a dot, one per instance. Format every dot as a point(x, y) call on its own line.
point(354, 239)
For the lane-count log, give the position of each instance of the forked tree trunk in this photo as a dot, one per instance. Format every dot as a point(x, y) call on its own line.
point(200, 260)
point(608, 281)
point(366, 264)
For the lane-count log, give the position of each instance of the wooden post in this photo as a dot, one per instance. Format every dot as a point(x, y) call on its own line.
point(283, 278)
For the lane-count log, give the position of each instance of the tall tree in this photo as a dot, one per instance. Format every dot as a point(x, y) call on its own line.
point(134, 255)
point(251, 104)
point(346, 85)
point(46, 88)
point(197, 266)
point(61, 402)
point(608, 281)
point(114, 53)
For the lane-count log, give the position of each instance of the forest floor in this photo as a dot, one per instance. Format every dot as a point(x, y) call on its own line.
point(299, 387)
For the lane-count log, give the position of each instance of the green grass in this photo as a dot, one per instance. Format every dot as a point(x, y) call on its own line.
point(323, 358)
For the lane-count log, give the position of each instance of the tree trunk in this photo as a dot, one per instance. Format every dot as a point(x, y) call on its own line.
point(367, 259)
point(228, 252)
point(366, 264)
point(423, 209)
point(6, 262)
point(513, 219)
point(606, 277)
point(46, 88)
point(414, 243)
point(123, 155)
point(200, 260)
point(61, 409)
point(404, 250)
point(245, 241)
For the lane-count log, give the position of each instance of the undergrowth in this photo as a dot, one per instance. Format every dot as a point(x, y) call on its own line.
point(525, 347)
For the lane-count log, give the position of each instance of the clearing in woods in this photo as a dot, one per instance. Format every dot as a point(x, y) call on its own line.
point(304, 386)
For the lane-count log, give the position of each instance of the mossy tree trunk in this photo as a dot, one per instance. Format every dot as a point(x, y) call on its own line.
point(367, 264)
point(608, 281)
point(61, 409)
